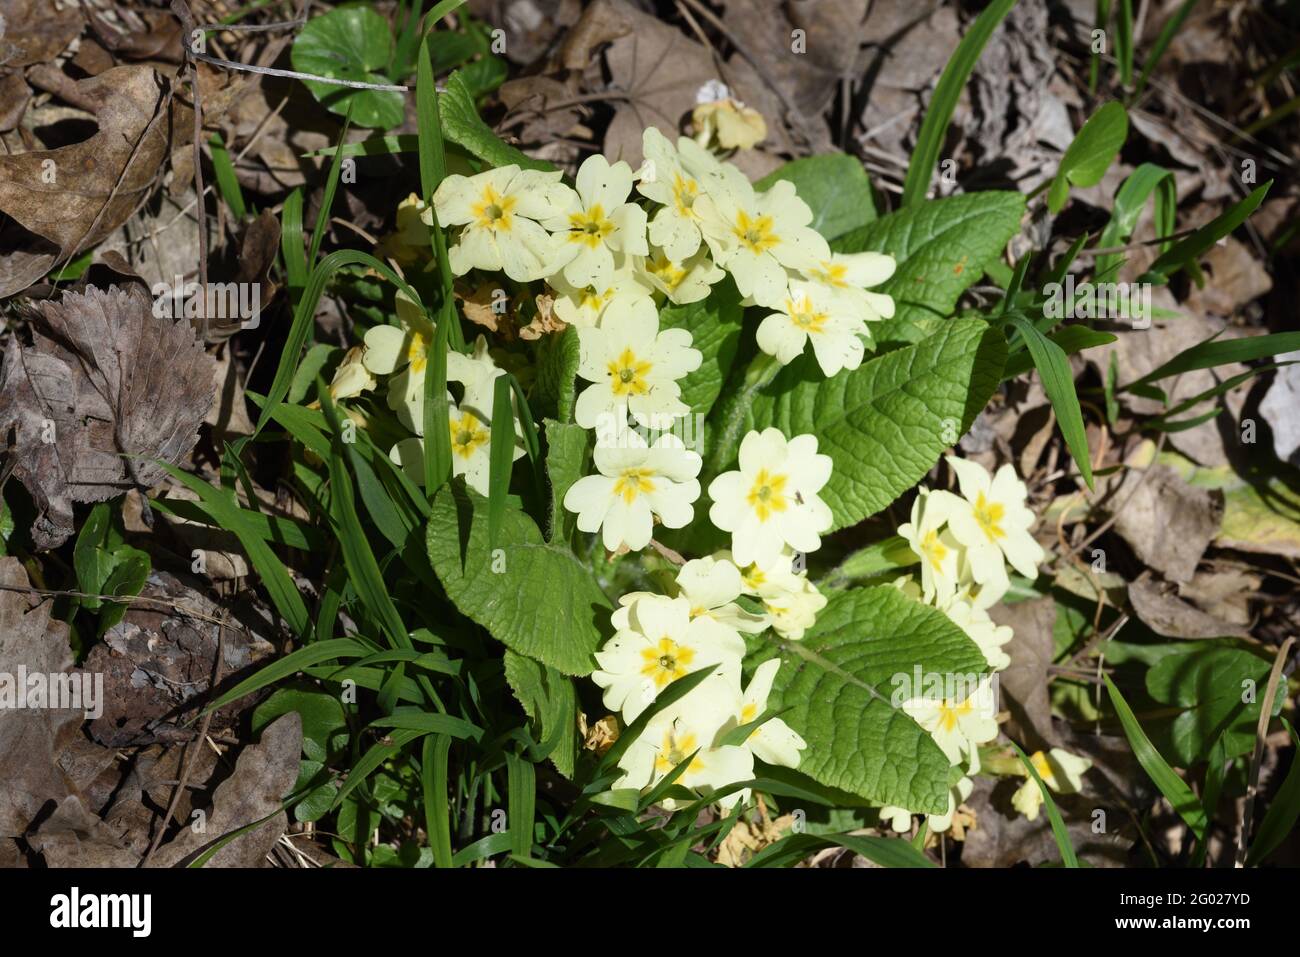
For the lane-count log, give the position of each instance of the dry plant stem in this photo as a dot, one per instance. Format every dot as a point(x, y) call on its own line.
point(188, 764)
point(674, 557)
point(1261, 732)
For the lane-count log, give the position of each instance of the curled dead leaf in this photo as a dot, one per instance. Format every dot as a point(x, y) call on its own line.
point(105, 390)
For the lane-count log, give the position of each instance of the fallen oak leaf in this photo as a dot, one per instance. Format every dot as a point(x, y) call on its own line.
point(75, 195)
point(105, 390)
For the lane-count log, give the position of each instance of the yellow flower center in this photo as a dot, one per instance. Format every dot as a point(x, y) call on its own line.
point(627, 374)
point(1039, 760)
point(989, 515)
point(767, 494)
point(753, 577)
point(634, 482)
point(748, 713)
point(950, 714)
point(467, 435)
point(685, 192)
point(589, 228)
point(756, 234)
point(494, 211)
point(674, 750)
point(803, 315)
point(666, 271)
point(417, 351)
point(832, 274)
point(666, 662)
point(934, 549)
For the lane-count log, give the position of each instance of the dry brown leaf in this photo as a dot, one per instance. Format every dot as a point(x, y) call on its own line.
point(1161, 610)
point(105, 389)
point(75, 195)
point(480, 306)
point(545, 322)
point(1166, 522)
point(158, 660)
point(35, 31)
point(30, 739)
point(1024, 683)
point(264, 774)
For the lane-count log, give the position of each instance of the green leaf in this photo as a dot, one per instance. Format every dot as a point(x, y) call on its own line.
point(227, 182)
point(834, 689)
point(349, 43)
point(1208, 681)
point(1058, 382)
point(292, 663)
point(221, 508)
point(1186, 252)
point(500, 455)
point(1211, 353)
point(321, 712)
point(1157, 768)
point(461, 124)
point(566, 462)
point(1070, 339)
point(934, 129)
point(885, 851)
point(835, 187)
point(521, 798)
point(554, 390)
point(126, 581)
point(1090, 154)
point(92, 559)
point(714, 324)
point(550, 699)
point(885, 424)
point(942, 248)
point(535, 598)
point(1280, 820)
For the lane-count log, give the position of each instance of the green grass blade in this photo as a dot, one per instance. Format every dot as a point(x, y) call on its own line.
point(1058, 382)
point(437, 815)
point(444, 724)
point(1173, 787)
point(522, 798)
point(1124, 43)
point(1186, 252)
point(313, 654)
point(1215, 772)
point(934, 129)
point(1213, 352)
point(331, 187)
point(500, 455)
point(227, 181)
point(275, 577)
point(291, 244)
point(1059, 832)
point(1166, 37)
point(1094, 64)
point(371, 760)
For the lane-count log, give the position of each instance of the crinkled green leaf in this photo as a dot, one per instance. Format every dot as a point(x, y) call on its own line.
point(535, 598)
point(714, 324)
point(835, 187)
point(885, 424)
point(550, 699)
point(942, 248)
point(554, 390)
point(835, 687)
point(566, 460)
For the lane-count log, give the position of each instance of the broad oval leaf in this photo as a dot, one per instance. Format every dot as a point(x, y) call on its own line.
point(836, 685)
point(349, 43)
point(942, 248)
point(535, 598)
point(885, 424)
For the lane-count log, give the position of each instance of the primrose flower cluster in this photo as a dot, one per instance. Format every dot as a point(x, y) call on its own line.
point(964, 543)
point(611, 250)
point(772, 509)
